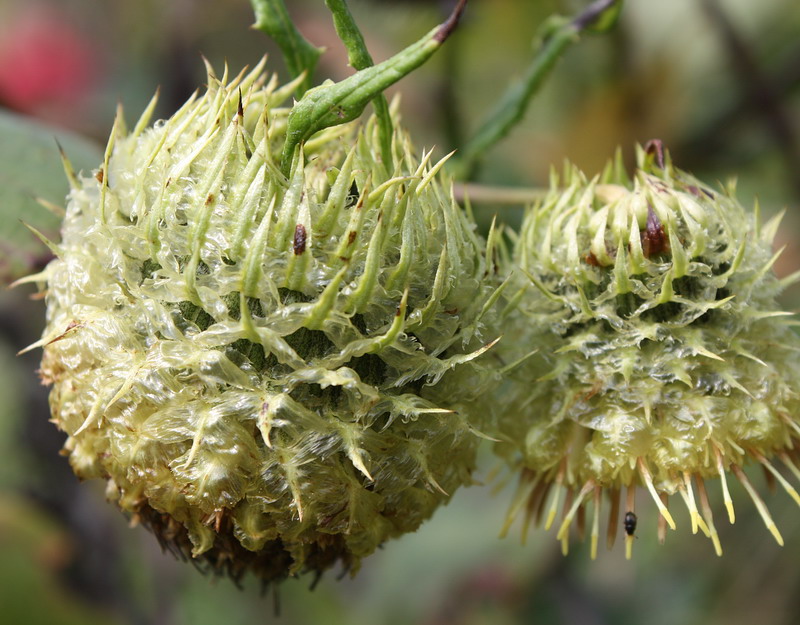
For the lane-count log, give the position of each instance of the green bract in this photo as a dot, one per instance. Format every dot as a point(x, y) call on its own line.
point(662, 355)
point(272, 373)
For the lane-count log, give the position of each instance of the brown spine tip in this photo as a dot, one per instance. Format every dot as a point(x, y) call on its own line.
point(613, 517)
point(591, 259)
point(592, 14)
point(656, 146)
point(654, 239)
point(299, 243)
point(100, 175)
point(699, 192)
point(580, 522)
point(447, 28)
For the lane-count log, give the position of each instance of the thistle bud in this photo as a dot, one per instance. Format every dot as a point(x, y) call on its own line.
point(271, 372)
point(663, 359)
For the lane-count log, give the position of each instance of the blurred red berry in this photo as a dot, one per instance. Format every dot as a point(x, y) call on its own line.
point(44, 61)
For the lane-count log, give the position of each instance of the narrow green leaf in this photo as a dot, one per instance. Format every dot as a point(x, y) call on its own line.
point(557, 34)
point(299, 54)
point(32, 177)
point(332, 104)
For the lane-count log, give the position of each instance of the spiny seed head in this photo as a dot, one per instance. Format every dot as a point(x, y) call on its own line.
point(274, 373)
point(662, 355)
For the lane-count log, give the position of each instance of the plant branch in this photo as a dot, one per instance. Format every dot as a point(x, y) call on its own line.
point(560, 33)
point(299, 54)
point(484, 194)
point(360, 58)
point(333, 104)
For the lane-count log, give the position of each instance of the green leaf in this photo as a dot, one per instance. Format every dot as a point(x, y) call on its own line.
point(31, 168)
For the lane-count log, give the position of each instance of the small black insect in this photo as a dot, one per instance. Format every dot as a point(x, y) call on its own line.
point(629, 523)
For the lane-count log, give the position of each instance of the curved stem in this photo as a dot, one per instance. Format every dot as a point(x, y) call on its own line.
point(299, 54)
point(360, 58)
point(485, 194)
point(560, 35)
point(330, 105)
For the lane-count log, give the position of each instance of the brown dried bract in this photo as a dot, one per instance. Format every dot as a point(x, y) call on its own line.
point(299, 243)
point(654, 238)
point(699, 192)
point(656, 146)
point(272, 563)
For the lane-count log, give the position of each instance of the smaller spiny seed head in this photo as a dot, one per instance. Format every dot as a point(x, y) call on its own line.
point(662, 357)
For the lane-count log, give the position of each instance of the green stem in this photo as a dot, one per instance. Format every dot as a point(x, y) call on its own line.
point(485, 194)
point(333, 104)
point(561, 34)
point(299, 54)
point(360, 58)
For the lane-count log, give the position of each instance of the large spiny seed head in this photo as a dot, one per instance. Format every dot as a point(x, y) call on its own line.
point(662, 356)
point(274, 373)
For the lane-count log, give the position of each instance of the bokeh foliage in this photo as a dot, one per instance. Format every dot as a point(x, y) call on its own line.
point(717, 80)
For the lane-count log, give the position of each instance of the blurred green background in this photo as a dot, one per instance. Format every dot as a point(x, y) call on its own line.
point(717, 80)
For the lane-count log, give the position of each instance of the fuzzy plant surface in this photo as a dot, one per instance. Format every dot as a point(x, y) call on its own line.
point(661, 356)
point(274, 373)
